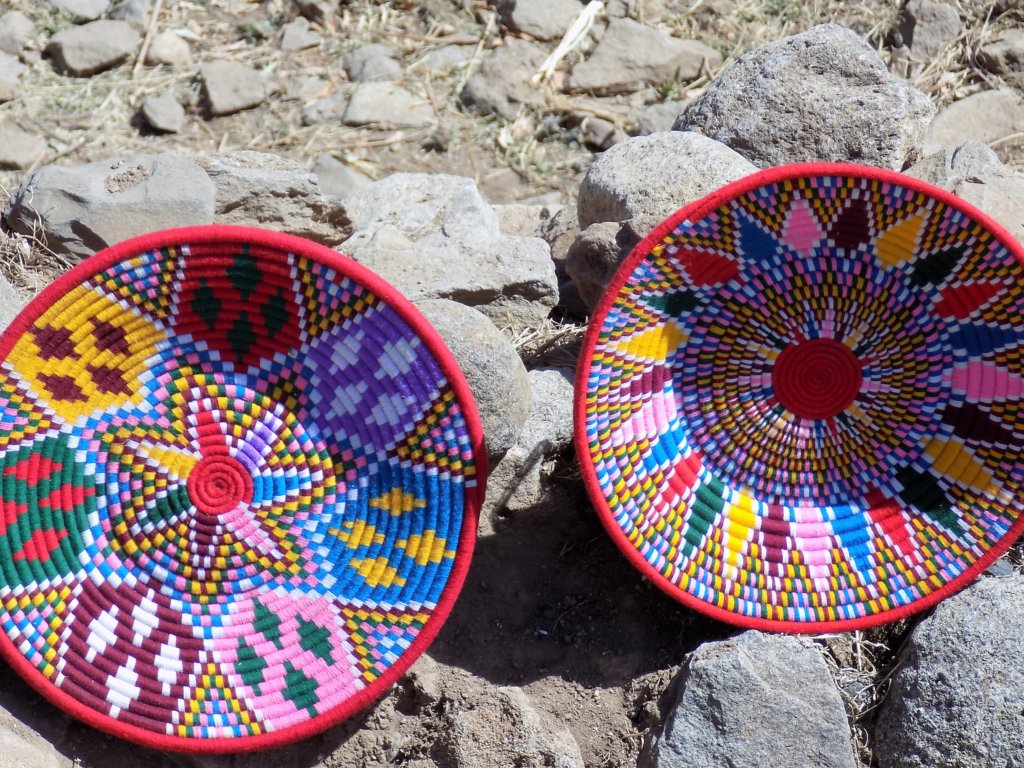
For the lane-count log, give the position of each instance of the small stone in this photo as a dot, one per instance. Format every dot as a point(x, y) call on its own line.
point(170, 49)
point(387, 104)
point(261, 189)
point(756, 700)
point(15, 29)
point(163, 113)
point(78, 210)
point(600, 134)
point(523, 220)
point(927, 28)
point(93, 47)
point(1004, 54)
point(11, 71)
point(135, 12)
point(631, 55)
point(444, 58)
point(425, 681)
point(824, 94)
point(19, 150)
point(304, 88)
point(10, 306)
point(503, 728)
point(540, 19)
point(81, 10)
point(502, 83)
point(496, 375)
point(296, 35)
point(986, 116)
point(659, 117)
point(595, 255)
point(317, 10)
point(331, 108)
point(958, 693)
point(336, 178)
point(230, 87)
point(371, 62)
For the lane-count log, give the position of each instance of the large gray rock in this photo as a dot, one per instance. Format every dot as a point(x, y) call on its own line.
point(11, 71)
point(261, 189)
point(824, 94)
point(80, 209)
point(502, 84)
point(434, 236)
point(502, 728)
point(496, 375)
point(1004, 54)
point(540, 19)
point(10, 302)
point(515, 482)
point(92, 47)
point(958, 696)
point(372, 62)
point(230, 86)
point(756, 700)
point(647, 178)
point(986, 116)
point(631, 55)
point(15, 29)
point(387, 104)
point(927, 28)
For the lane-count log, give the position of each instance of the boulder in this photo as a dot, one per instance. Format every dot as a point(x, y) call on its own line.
point(93, 47)
point(927, 28)
point(502, 84)
point(434, 236)
point(985, 116)
point(496, 375)
point(631, 55)
point(261, 189)
point(230, 86)
point(958, 693)
point(1004, 53)
point(756, 700)
point(540, 19)
point(824, 94)
point(78, 210)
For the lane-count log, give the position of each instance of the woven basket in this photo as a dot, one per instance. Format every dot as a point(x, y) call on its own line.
point(240, 479)
point(799, 401)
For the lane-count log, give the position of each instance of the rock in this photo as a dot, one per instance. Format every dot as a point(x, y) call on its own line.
point(19, 150)
point(756, 700)
point(93, 47)
point(434, 236)
point(424, 681)
point(821, 95)
point(986, 116)
point(655, 118)
point(631, 55)
point(522, 220)
point(10, 306)
point(296, 35)
point(502, 84)
point(387, 104)
point(927, 28)
point(170, 49)
point(230, 87)
point(444, 58)
point(540, 19)
point(80, 209)
point(372, 62)
point(135, 12)
point(305, 88)
point(336, 178)
point(595, 255)
point(600, 134)
point(163, 113)
point(496, 375)
point(261, 189)
point(22, 748)
point(81, 10)
point(11, 71)
point(515, 481)
point(1004, 54)
point(647, 178)
point(15, 28)
point(317, 10)
point(958, 694)
point(331, 108)
point(560, 231)
point(502, 727)
point(974, 173)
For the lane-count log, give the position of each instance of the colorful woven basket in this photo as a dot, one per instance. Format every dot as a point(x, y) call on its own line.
point(239, 480)
point(799, 405)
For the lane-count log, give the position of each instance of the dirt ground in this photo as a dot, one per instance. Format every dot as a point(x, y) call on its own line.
point(549, 604)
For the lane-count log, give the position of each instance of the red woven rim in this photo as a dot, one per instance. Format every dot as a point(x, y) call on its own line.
point(214, 234)
point(693, 212)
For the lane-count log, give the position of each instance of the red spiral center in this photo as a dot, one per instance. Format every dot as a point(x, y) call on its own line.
point(218, 484)
point(816, 379)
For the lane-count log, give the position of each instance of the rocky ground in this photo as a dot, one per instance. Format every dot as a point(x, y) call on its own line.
point(335, 121)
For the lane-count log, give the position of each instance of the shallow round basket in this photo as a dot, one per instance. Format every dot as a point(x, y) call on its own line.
point(799, 401)
point(239, 480)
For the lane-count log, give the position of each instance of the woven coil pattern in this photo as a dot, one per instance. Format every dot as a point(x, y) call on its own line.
point(803, 404)
point(233, 481)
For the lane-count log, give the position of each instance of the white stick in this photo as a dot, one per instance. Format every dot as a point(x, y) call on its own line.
point(570, 40)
